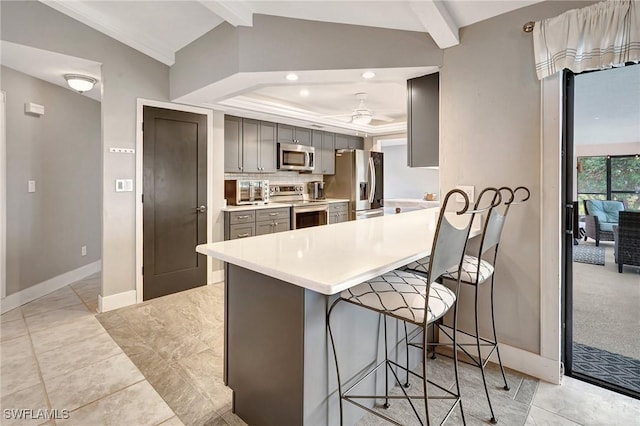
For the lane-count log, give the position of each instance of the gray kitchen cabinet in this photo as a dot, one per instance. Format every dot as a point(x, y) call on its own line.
point(292, 134)
point(349, 142)
point(249, 145)
point(267, 147)
point(324, 144)
point(247, 223)
point(338, 212)
point(423, 120)
point(232, 144)
point(241, 231)
point(342, 141)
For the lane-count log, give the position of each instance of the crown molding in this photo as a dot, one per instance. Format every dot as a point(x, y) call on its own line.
point(245, 103)
point(100, 22)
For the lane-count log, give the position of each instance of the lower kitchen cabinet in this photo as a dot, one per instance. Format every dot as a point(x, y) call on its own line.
point(338, 212)
point(247, 223)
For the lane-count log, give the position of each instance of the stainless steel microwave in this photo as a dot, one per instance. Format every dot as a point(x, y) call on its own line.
point(296, 157)
point(246, 191)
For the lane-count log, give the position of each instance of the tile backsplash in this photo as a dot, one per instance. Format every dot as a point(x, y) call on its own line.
point(277, 178)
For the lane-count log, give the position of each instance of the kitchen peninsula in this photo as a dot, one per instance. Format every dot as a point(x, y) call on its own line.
point(277, 289)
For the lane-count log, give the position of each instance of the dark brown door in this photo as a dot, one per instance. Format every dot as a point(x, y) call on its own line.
point(174, 201)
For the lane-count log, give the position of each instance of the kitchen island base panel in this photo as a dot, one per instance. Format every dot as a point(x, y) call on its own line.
point(278, 360)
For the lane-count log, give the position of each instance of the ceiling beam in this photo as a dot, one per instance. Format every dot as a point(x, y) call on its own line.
point(236, 12)
point(83, 12)
point(437, 21)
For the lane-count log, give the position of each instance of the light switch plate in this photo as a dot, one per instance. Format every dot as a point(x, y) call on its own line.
point(124, 185)
point(469, 190)
point(32, 186)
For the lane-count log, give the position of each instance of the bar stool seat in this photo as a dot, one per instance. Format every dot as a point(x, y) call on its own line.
point(401, 295)
point(471, 273)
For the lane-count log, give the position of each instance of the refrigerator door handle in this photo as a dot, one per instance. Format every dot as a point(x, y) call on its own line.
point(373, 180)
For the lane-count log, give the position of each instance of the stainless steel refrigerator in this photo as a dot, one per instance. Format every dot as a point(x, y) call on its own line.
point(359, 179)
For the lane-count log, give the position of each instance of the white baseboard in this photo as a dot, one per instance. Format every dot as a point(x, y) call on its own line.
point(217, 276)
point(14, 300)
point(519, 360)
point(115, 301)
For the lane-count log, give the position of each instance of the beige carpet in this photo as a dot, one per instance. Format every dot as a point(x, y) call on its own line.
point(606, 305)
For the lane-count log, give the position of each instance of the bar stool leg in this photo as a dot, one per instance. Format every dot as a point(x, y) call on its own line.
point(455, 358)
point(495, 339)
point(484, 379)
point(386, 365)
point(424, 375)
point(335, 357)
point(406, 339)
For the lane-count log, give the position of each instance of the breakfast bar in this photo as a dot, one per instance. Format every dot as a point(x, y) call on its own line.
point(277, 288)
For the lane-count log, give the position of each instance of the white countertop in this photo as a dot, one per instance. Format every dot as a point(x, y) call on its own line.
point(330, 259)
point(410, 203)
point(274, 205)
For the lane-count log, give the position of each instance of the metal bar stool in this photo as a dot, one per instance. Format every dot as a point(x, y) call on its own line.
point(415, 300)
point(475, 271)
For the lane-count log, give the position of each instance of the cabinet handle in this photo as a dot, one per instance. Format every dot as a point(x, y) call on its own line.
point(275, 223)
point(246, 234)
point(273, 214)
point(243, 217)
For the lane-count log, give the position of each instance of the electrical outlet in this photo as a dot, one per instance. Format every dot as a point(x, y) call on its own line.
point(469, 190)
point(84, 250)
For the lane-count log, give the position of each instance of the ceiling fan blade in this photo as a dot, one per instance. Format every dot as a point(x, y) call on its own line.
point(337, 115)
point(383, 118)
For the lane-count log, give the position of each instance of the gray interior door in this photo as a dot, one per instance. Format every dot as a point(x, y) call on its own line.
point(174, 201)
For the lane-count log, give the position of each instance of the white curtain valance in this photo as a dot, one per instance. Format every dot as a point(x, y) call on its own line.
point(596, 37)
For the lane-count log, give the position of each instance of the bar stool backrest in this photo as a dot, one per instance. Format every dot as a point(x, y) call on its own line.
point(450, 241)
point(495, 220)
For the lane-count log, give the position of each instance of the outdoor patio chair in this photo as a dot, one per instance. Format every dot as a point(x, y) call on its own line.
point(627, 239)
point(601, 216)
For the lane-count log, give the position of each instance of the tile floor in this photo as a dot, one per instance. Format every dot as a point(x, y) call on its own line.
point(55, 354)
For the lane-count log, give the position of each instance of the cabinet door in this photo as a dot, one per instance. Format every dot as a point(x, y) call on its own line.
point(232, 144)
point(422, 121)
point(356, 142)
point(285, 133)
point(303, 136)
point(250, 145)
point(327, 155)
point(316, 142)
point(342, 141)
point(342, 217)
point(267, 147)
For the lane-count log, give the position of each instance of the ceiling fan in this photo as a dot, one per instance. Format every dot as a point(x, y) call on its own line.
point(361, 114)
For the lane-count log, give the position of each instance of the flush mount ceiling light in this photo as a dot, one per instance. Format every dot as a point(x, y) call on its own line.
point(304, 93)
point(368, 75)
point(81, 83)
point(292, 77)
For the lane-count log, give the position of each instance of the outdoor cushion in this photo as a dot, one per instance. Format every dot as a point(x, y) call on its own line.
point(605, 210)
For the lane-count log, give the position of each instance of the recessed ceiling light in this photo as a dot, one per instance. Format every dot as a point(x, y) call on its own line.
point(596, 118)
point(304, 92)
point(368, 74)
point(292, 77)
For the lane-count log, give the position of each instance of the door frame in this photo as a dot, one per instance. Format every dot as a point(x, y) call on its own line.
point(3, 196)
point(141, 103)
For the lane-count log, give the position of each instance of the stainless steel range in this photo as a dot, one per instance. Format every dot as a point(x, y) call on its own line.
point(305, 212)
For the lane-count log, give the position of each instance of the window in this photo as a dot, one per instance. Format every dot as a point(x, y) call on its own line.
point(609, 178)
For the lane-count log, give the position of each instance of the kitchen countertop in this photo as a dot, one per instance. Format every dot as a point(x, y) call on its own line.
point(274, 205)
point(410, 202)
point(330, 259)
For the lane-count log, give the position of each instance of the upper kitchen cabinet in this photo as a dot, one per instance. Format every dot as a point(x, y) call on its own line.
point(232, 144)
point(292, 134)
point(325, 145)
point(349, 142)
point(249, 145)
point(423, 121)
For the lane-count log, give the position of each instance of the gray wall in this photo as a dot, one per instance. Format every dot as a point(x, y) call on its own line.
point(126, 75)
point(61, 152)
point(490, 136)
point(402, 181)
point(283, 44)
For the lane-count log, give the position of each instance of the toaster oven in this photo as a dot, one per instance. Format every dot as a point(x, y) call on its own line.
point(239, 192)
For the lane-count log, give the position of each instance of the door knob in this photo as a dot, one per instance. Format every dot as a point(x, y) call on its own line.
point(201, 209)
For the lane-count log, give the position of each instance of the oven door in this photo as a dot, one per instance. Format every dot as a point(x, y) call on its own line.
point(307, 216)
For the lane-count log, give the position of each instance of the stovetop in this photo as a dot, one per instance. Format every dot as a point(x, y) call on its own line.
point(291, 194)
